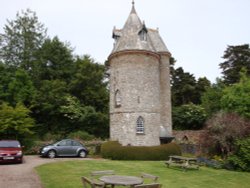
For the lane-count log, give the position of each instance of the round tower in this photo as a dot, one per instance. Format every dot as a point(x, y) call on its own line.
point(139, 85)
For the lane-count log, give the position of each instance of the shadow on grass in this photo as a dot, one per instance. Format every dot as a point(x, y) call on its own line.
point(181, 169)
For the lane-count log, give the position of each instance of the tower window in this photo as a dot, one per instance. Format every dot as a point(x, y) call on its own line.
point(143, 35)
point(140, 126)
point(143, 32)
point(118, 98)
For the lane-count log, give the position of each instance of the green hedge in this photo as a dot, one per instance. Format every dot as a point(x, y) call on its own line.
point(113, 150)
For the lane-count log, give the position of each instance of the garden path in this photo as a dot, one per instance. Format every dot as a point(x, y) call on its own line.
point(23, 175)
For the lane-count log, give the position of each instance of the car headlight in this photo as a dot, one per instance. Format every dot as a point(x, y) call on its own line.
point(19, 153)
point(45, 148)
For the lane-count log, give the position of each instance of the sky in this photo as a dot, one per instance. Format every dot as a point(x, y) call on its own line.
point(196, 32)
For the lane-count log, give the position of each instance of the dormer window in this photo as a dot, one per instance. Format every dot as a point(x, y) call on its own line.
point(143, 36)
point(143, 33)
point(116, 34)
point(116, 37)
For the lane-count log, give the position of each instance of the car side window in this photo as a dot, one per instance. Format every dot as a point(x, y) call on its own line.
point(65, 143)
point(62, 143)
point(76, 143)
point(68, 143)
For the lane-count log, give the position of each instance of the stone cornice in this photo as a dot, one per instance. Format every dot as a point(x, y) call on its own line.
point(125, 52)
point(134, 112)
point(165, 53)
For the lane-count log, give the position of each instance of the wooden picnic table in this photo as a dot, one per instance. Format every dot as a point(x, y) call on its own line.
point(184, 162)
point(121, 180)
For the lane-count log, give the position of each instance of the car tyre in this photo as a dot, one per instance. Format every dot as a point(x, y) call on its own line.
point(82, 154)
point(51, 154)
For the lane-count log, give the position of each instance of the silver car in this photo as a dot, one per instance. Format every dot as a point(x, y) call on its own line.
point(66, 147)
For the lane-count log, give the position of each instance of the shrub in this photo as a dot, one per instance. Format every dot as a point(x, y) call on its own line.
point(241, 159)
point(113, 150)
point(35, 147)
point(52, 137)
point(93, 146)
point(223, 129)
point(81, 135)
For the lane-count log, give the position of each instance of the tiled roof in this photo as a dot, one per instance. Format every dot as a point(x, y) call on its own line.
point(157, 41)
point(129, 38)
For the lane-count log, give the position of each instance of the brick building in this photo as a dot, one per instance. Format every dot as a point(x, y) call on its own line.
point(140, 102)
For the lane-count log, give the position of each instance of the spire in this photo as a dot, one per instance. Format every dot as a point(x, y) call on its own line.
point(133, 20)
point(133, 7)
point(135, 35)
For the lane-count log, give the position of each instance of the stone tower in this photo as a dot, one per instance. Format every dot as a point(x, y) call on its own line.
point(140, 104)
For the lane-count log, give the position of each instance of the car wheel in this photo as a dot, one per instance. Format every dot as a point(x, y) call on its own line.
point(51, 154)
point(82, 154)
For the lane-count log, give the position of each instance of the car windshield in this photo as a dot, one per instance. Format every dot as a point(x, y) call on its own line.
point(55, 143)
point(9, 144)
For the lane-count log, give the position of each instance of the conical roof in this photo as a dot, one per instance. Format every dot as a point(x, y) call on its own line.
point(136, 36)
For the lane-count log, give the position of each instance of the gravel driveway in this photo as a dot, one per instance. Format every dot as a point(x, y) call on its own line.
point(23, 175)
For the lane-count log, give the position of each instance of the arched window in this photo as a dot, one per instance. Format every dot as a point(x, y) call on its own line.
point(185, 139)
point(140, 126)
point(118, 98)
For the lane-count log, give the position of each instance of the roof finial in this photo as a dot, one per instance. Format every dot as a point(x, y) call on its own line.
point(133, 7)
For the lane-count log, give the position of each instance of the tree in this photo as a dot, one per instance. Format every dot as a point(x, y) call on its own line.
point(21, 89)
point(88, 84)
point(65, 93)
point(172, 62)
point(55, 61)
point(5, 76)
point(84, 118)
point(211, 98)
point(236, 57)
point(16, 86)
point(188, 117)
point(236, 98)
point(201, 86)
point(21, 39)
point(15, 122)
point(183, 87)
point(47, 103)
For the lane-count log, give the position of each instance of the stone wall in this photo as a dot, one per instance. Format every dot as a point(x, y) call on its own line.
point(137, 77)
point(190, 141)
point(166, 111)
point(189, 136)
point(123, 129)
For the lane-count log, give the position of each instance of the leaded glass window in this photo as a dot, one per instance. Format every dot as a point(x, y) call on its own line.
point(140, 126)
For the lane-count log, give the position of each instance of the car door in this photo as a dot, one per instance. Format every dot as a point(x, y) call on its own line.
point(64, 148)
point(76, 147)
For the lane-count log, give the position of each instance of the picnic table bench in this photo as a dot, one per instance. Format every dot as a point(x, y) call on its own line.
point(183, 162)
point(115, 180)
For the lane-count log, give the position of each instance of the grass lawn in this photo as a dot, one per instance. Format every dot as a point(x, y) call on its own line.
point(67, 174)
